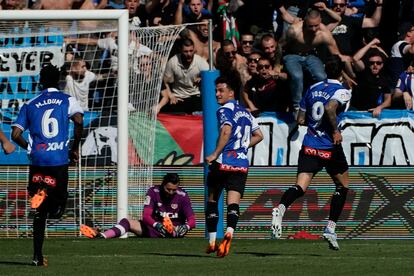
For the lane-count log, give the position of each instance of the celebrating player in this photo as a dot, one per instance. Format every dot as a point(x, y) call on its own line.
point(321, 147)
point(229, 163)
point(167, 213)
point(47, 119)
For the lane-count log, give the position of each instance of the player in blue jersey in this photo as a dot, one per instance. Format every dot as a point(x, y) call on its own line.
point(321, 148)
point(229, 163)
point(47, 118)
point(167, 214)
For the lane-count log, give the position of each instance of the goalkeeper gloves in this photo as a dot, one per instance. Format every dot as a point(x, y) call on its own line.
point(160, 228)
point(181, 230)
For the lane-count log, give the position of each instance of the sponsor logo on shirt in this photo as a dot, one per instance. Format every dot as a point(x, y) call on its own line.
point(324, 154)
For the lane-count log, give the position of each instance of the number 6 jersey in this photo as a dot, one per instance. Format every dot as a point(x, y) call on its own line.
point(47, 118)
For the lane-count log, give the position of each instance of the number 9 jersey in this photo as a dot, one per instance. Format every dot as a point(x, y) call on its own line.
point(47, 118)
point(319, 133)
point(243, 124)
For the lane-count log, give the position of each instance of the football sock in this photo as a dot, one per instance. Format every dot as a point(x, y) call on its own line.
point(39, 225)
point(118, 230)
point(233, 213)
point(212, 237)
point(230, 230)
point(331, 225)
point(291, 195)
point(212, 217)
point(282, 209)
point(337, 203)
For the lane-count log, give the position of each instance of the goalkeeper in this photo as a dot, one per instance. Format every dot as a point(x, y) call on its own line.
point(167, 213)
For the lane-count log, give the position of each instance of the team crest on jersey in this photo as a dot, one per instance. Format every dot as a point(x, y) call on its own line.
point(147, 200)
point(174, 206)
point(159, 204)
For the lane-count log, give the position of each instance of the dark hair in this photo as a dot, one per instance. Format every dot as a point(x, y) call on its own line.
point(223, 79)
point(49, 76)
point(187, 42)
point(173, 178)
point(226, 42)
point(333, 67)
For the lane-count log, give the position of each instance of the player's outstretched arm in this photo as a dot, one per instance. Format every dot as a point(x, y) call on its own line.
point(8, 147)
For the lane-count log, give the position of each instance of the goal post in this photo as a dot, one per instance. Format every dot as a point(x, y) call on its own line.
point(126, 118)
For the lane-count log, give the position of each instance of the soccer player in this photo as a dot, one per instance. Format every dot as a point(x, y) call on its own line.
point(321, 147)
point(47, 118)
point(167, 213)
point(228, 163)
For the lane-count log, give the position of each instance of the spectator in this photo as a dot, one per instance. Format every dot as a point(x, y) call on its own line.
point(273, 52)
point(163, 201)
point(160, 12)
point(182, 79)
point(261, 92)
point(404, 89)
point(246, 44)
point(232, 65)
point(252, 61)
point(302, 38)
point(78, 82)
point(348, 31)
point(194, 15)
point(402, 51)
point(200, 37)
point(373, 90)
point(12, 4)
point(53, 5)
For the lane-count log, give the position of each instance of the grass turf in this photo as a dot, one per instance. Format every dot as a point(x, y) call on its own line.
point(135, 256)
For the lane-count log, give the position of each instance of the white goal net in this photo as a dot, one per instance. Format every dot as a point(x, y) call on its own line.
point(89, 55)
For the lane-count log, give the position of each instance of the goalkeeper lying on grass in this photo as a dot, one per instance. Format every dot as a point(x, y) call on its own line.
point(167, 213)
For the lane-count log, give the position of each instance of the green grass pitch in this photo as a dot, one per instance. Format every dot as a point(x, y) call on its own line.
point(137, 256)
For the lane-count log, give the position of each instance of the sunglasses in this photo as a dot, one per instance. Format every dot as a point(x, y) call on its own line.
point(255, 60)
point(245, 42)
point(229, 54)
point(338, 5)
point(263, 66)
point(375, 62)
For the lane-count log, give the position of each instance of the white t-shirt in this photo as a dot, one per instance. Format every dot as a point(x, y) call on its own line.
point(80, 90)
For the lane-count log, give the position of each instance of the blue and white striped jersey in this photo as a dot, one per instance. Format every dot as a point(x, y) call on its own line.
point(47, 118)
point(319, 134)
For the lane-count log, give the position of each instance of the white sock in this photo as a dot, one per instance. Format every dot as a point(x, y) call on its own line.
point(282, 209)
point(212, 237)
point(230, 230)
point(331, 225)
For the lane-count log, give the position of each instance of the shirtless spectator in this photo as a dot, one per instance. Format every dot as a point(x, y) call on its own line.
point(200, 38)
point(53, 4)
point(302, 39)
point(12, 4)
point(246, 44)
point(232, 65)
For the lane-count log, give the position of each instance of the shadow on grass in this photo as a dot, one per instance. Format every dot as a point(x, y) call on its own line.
point(261, 254)
point(178, 255)
point(15, 263)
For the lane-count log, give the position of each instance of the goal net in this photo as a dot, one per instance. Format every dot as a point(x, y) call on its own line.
point(119, 122)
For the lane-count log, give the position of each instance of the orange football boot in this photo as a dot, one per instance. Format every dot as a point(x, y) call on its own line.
point(224, 247)
point(168, 225)
point(38, 198)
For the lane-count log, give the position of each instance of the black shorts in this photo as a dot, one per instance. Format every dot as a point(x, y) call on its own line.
point(55, 180)
point(218, 180)
point(312, 160)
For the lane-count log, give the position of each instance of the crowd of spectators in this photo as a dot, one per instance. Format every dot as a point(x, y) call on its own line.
point(273, 50)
